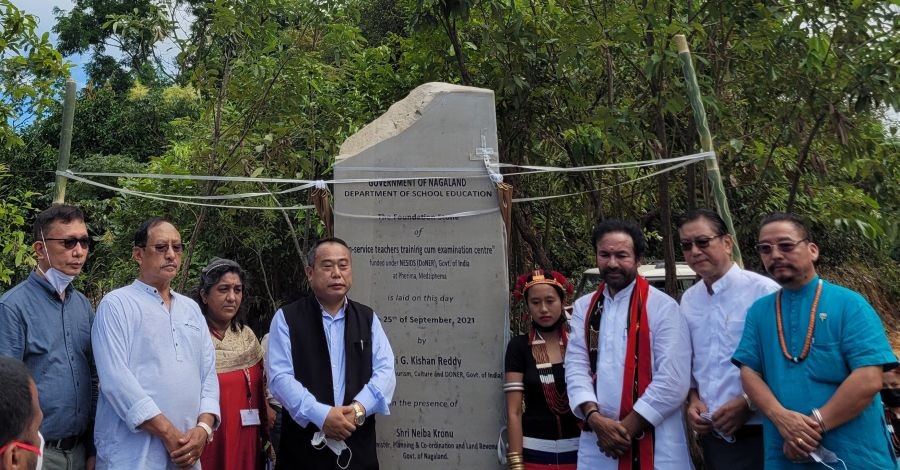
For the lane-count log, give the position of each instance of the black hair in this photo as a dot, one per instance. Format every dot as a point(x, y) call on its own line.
point(628, 228)
point(55, 213)
point(209, 277)
point(711, 216)
point(143, 232)
point(311, 254)
point(15, 399)
point(787, 217)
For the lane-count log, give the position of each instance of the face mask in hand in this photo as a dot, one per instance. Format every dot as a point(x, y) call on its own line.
point(891, 397)
point(319, 441)
point(825, 457)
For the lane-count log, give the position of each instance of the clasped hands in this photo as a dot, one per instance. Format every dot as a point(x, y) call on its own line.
point(185, 448)
point(801, 434)
point(614, 437)
point(340, 422)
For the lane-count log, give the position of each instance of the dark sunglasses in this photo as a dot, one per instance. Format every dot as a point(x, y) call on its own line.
point(784, 247)
point(69, 243)
point(700, 242)
point(163, 248)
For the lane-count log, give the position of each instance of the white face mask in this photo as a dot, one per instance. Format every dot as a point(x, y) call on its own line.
point(55, 277)
point(40, 459)
point(319, 441)
point(825, 457)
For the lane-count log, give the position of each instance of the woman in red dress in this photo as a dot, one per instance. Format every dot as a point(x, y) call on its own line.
point(238, 441)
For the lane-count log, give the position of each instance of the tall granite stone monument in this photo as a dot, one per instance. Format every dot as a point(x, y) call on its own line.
point(429, 256)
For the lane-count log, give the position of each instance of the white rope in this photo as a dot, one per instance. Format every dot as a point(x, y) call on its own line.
point(555, 196)
point(176, 201)
point(531, 169)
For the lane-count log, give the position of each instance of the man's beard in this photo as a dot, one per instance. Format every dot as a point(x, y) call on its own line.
point(617, 282)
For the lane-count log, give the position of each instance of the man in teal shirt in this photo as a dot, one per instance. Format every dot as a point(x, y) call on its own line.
point(811, 360)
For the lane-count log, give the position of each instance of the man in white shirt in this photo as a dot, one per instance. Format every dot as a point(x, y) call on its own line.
point(719, 411)
point(628, 363)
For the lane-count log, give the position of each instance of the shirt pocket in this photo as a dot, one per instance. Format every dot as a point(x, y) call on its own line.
point(826, 364)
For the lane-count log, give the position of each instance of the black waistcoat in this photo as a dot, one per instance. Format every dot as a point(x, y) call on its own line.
point(312, 368)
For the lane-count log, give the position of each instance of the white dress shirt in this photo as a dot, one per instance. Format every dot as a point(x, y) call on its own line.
point(716, 323)
point(661, 403)
point(298, 401)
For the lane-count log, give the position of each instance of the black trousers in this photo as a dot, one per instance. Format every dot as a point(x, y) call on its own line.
point(746, 453)
point(296, 452)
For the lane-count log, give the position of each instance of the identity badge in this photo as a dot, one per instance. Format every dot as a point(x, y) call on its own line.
point(250, 418)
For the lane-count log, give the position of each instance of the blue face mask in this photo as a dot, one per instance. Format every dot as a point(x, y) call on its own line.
point(55, 277)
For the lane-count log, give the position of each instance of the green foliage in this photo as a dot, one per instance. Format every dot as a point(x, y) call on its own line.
point(795, 95)
point(29, 67)
point(14, 208)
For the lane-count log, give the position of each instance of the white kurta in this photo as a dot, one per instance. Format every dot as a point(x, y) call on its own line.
point(661, 403)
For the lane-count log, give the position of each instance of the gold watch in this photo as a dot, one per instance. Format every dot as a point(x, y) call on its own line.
point(358, 412)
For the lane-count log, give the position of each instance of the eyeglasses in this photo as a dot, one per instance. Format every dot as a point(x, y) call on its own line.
point(70, 243)
point(163, 248)
point(22, 445)
point(700, 242)
point(784, 247)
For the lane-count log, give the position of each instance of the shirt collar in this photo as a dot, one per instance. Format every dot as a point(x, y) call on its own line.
point(726, 280)
point(340, 312)
point(625, 292)
point(808, 289)
point(142, 286)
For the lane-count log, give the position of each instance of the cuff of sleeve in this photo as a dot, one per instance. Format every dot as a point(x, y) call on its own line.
point(141, 412)
point(579, 399)
point(208, 405)
point(318, 413)
point(740, 361)
point(369, 401)
point(642, 408)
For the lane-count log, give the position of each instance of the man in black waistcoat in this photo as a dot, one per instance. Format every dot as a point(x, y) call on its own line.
point(330, 365)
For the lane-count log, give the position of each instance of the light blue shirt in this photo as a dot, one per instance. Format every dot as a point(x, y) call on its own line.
point(53, 338)
point(151, 360)
point(848, 335)
point(297, 400)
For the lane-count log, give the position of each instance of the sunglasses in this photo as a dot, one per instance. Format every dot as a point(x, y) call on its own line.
point(163, 248)
point(700, 242)
point(784, 247)
point(70, 243)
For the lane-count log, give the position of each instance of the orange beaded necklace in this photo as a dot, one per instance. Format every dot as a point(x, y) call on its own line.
point(809, 329)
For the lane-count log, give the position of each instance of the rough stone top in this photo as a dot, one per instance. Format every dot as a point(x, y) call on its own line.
point(401, 115)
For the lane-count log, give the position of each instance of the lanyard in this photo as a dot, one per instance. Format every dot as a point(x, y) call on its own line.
point(249, 388)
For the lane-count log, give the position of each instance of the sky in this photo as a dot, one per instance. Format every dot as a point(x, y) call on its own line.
point(43, 10)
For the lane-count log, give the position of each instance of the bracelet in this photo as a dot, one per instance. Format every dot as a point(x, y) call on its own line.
point(209, 431)
point(818, 415)
point(515, 461)
point(513, 387)
point(749, 403)
point(587, 417)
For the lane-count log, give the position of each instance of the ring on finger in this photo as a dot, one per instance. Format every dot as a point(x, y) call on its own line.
point(800, 441)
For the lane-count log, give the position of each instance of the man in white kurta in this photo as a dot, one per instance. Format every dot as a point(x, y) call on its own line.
point(619, 249)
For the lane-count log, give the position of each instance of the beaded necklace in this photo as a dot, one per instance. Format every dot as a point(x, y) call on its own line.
point(809, 329)
point(559, 404)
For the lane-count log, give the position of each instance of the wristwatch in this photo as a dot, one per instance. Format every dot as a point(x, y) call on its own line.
point(209, 431)
point(358, 412)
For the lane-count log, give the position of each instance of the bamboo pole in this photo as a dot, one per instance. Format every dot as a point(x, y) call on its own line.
point(65, 142)
point(712, 164)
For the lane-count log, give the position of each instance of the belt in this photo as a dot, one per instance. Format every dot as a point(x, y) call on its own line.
point(65, 444)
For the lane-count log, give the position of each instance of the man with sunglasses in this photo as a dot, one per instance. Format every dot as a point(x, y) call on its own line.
point(46, 323)
point(811, 358)
point(718, 411)
point(21, 443)
point(159, 394)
